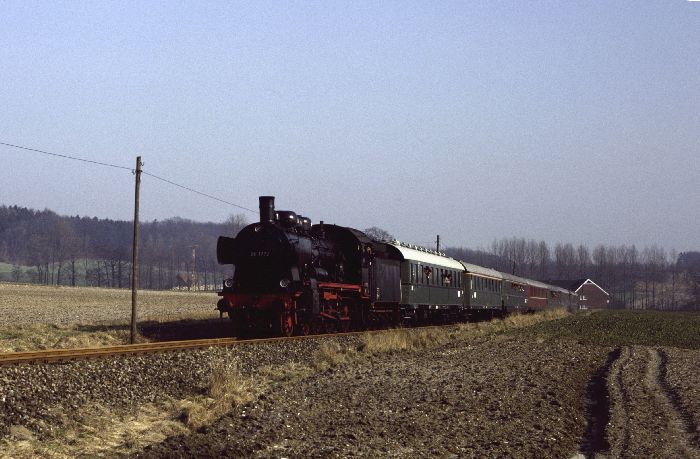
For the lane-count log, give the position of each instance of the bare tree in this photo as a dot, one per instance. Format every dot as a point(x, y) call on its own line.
point(565, 258)
point(673, 267)
point(543, 259)
point(378, 234)
point(531, 250)
point(583, 261)
point(234, 223)
point(600, 261)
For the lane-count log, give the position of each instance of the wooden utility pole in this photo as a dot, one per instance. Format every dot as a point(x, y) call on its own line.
point(135, 260)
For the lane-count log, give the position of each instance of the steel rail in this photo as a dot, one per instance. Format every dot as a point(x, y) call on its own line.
point(52, 355)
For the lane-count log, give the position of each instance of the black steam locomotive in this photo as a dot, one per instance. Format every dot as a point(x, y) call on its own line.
point(295, 277)
point(292, 277)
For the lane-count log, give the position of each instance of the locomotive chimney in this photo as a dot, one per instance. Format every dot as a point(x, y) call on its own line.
point(267, 209)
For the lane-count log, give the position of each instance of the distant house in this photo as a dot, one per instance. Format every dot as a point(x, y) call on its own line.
point(591, 295)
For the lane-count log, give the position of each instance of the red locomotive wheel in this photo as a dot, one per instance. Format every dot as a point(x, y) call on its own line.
point(345, 319)
point(303, 328)
point(286, 323)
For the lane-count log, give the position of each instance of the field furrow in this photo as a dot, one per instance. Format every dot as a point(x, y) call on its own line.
point(645, 421)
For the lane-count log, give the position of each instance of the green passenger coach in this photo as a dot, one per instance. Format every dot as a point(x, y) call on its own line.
point(514, 293)
point(431, 283)
point(483, 288)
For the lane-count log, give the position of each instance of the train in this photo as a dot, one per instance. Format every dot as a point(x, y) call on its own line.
point(292, 277)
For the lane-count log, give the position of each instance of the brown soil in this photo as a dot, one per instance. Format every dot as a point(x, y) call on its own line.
point(495, 397)
point(651, 415)
point(683, 377)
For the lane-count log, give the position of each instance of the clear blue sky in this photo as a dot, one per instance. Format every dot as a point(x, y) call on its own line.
point(566, 121)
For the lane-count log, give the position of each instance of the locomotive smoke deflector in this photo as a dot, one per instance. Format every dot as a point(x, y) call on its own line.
point(267, 209)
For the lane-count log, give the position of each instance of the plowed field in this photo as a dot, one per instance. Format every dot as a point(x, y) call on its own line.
point(500, 397)
point(608, 384)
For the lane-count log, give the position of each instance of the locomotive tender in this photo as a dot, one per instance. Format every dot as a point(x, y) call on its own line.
point(292, 277)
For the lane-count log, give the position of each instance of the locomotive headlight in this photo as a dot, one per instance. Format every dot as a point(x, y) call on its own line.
point(284, 283)
point(228, 283)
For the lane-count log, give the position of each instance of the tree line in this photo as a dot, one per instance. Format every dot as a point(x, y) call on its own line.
point(46, 248)
point(50, 249)
point(645, 278)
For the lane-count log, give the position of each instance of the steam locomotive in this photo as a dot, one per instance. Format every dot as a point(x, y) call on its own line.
point(292, 277)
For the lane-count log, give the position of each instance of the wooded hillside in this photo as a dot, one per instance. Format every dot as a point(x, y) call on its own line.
point(97, 252)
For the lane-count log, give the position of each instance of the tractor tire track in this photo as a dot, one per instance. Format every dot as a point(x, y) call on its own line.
point(621, 406)
point(598, 409)
point(647, 415)
point(680, 423)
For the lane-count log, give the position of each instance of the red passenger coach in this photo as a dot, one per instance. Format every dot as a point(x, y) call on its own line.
point(536, 296)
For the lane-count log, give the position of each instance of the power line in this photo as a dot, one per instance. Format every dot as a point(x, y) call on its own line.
point(198, 192)
point(66, 156)
point(75, 158)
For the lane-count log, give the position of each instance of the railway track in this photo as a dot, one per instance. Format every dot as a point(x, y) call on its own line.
point(53, 355)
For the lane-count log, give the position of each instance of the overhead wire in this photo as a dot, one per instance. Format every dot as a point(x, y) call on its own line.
point(75, 158)
point(131, 169)
point(196, 191)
